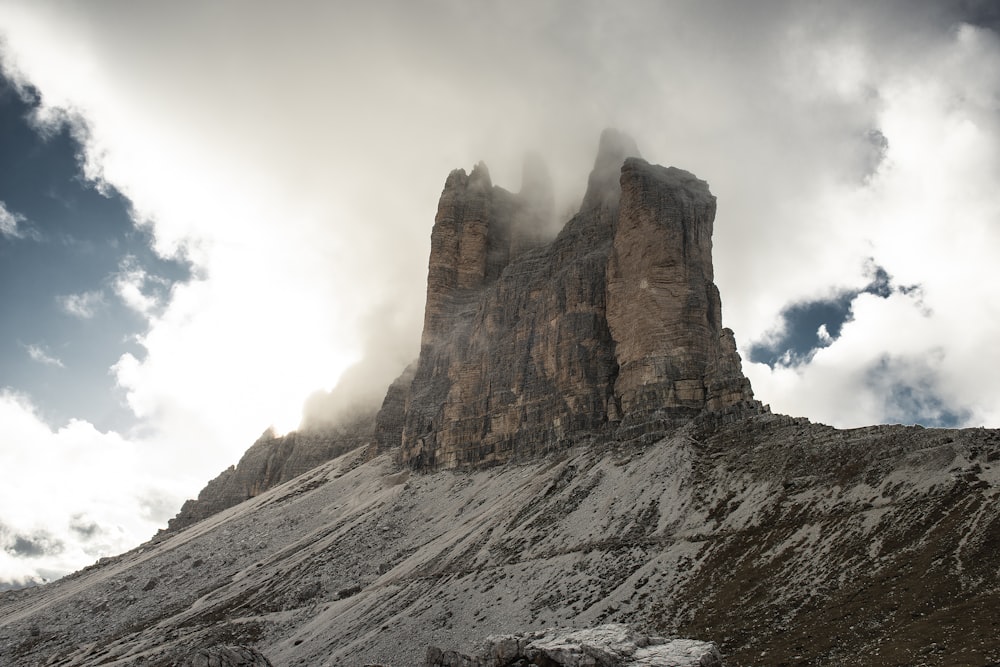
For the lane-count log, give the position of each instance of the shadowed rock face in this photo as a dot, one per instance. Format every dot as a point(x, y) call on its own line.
point(226, 656)
point(615, 321)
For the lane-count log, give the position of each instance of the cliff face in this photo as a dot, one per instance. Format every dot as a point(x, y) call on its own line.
point(614, 324)
point(664, 311)
point(611, 330)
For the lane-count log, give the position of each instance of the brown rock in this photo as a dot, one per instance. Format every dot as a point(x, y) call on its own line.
point(511, 369)
point(664, 311)
point(617, 319)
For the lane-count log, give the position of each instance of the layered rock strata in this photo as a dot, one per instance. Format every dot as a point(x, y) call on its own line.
point(615, 322)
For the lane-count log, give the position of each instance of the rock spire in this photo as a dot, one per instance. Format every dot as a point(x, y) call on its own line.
point(614, 326)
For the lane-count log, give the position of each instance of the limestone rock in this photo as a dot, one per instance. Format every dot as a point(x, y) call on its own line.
point(511, 370)
point(664, 311)
point(390, 417)
point(617, 320)
point(610, 645)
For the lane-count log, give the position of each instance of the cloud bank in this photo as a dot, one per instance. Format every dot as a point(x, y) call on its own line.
point(293, 155)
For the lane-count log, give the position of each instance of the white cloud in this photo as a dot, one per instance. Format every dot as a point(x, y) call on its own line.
point(105, 477)
point(130, 284)
point(928, 215)
point(9, 222)
point(41, 355)
point(83, 305)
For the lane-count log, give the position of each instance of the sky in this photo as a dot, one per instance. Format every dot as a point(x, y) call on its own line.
point(212, 210)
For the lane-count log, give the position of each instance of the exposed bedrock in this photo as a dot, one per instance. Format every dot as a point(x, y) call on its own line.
point(529, 346)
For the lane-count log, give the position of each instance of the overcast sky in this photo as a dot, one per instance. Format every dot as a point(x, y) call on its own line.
point(211, 209)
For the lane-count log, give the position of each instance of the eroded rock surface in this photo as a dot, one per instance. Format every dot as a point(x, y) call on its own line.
point(616, 321)
point(610, 645)
point(781, 541)
point(226, 656)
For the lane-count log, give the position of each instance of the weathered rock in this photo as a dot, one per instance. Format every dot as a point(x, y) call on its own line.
point(616, 320)
point(511, 370)
point(270, 461)
point(610, 645)
point(390, 418)
point(226, 656)
point(784, 542)
point(664, 311)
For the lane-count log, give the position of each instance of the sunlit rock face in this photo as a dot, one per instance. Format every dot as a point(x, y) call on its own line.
point(615, 324)
point(664, 311)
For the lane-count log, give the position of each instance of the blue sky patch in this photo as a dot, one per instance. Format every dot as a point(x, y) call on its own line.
point(62, 325)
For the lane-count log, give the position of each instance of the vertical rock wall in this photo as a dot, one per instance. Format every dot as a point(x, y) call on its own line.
point(528, 346)
point(664, 311)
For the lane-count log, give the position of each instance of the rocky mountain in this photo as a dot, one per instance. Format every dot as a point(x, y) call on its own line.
point(616, 324)
point(576, 446)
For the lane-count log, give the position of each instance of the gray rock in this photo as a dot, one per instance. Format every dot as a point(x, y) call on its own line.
point(226, 656)
point(610, 645)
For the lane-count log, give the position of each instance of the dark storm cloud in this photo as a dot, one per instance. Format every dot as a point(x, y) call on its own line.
point(84, 528)
point(29, 545)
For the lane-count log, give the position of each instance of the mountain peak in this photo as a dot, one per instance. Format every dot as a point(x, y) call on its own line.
point(613, 149)
point(614, 326)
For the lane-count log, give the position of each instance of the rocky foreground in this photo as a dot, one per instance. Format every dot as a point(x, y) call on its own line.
point(781, 541)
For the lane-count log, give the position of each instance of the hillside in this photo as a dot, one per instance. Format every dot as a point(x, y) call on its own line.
point(783, 541)
point(576, 445)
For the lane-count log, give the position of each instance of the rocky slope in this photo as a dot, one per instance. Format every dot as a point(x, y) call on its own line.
point(610, 645)
point(782, 541)
point(576, 446)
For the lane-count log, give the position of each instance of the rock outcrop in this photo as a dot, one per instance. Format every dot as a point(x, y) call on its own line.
point(615, 322)
point(649, 487)
point(664, 311)
point(271, 461)
point(226, 656)
point(611, 645)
